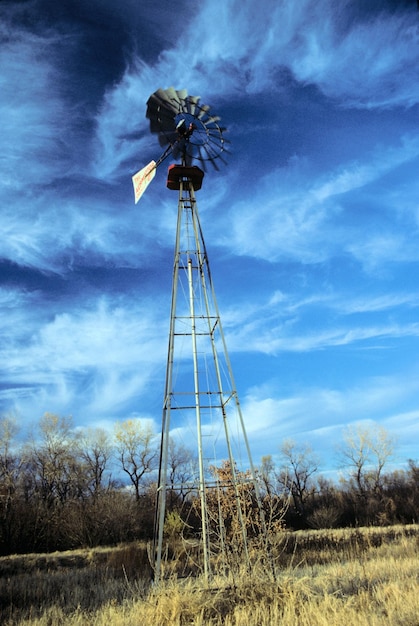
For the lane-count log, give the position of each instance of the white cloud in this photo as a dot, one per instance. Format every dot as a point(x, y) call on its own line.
point(273, 324)
point(106, 353)
point(377, 250)
point(319, 415)
point(35, 119)
point(291, 217)
point(369, 303)
point(380, 54)
point(286, 338)
point(41, 148)
point(405, 427)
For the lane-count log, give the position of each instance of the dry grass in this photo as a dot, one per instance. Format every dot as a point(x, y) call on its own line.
point(367, 577)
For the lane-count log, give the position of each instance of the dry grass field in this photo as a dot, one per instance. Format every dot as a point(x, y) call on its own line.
point(367, 577)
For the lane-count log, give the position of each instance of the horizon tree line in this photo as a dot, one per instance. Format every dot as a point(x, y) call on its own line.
point(64, 488)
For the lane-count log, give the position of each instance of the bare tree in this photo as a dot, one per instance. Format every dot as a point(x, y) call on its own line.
point(96, 452)
point(53, 461)
point(136, 451)
point(10, 469)
point(300, 465)
point(267, 474)
point(182, 464)
point(53, 483)
point(9, 461)
point(365, 452)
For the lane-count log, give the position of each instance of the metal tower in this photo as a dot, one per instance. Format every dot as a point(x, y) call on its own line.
point(200, 394)
point(201, 403)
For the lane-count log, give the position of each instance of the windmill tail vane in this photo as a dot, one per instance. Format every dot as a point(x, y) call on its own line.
point(142, 179)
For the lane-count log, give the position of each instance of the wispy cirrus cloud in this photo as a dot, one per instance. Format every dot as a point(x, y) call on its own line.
point(374, 304)
point(247, 53)
point(318, 415)
point(380, 52)
point(286, 338)
point(35, 142)
point(306, 216)
point(304, 323)
point(106, 352)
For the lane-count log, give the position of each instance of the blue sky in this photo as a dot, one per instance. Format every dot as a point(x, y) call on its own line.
point(312, 228)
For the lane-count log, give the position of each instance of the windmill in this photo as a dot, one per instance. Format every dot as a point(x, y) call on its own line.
point(200, 397)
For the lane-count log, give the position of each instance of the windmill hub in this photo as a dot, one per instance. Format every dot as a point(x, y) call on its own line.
point(188, 126)
point(183, 129)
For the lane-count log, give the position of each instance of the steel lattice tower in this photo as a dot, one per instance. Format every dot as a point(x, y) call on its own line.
point(204, 392)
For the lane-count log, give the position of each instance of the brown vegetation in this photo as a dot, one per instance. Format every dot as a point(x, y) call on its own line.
point(346, 576)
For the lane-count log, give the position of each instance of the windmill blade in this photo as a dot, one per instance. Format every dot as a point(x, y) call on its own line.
point(222, 159)
point(192, 104)
point(155, 126)
point(214, 142)
point(207, 154)
point(164, 126)
point(162, 117)
point(160, 101)
point(203, 111)
point(155, 101)
point(214, 133)
point(213, 119)
point(167, 124)
point(168, 136)
point(182, 95)
point(173, 96)
point(165, 99)
point(219, 159)
point(203, 163)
